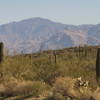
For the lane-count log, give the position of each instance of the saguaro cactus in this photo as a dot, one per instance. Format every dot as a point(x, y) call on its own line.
point(79, 51)
point(85, 52)
point(1, 51)
point(98, 66)
point(55, 56)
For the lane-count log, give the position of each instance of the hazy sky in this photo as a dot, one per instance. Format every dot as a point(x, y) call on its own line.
point(65, 11)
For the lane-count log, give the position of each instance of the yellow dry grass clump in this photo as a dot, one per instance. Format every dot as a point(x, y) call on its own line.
point(73, 88)
point(15, 87)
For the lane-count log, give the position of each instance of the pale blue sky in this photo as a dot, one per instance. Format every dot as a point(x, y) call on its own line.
point(64, 11)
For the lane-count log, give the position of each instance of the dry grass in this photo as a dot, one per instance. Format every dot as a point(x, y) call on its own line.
point(23, 88)
point(31, 74)
point(71, 87)
point(66, 87)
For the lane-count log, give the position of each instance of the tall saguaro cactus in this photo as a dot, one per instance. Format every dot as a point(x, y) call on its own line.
point(98, 66)
point(79, 51)
point(1, 51)
point(54, 53)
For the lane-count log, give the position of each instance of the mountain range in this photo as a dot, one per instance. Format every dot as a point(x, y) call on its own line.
point(35, 34)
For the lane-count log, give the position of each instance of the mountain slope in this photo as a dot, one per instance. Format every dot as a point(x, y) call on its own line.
point(36, 34)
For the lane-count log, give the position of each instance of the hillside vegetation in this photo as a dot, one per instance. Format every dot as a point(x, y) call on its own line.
point(50, 75)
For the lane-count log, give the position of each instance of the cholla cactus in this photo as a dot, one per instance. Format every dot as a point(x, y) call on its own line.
point(1, 52)
point(98, 66)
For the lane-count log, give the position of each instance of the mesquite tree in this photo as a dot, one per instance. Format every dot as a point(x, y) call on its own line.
point(98, 66)
point(1, 52)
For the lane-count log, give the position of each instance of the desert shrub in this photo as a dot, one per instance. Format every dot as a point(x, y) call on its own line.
point(42, 68)
point(96, 94)
point(45, 71)
point(24, 88)
point(56, 96)
point(2, 90)
point(31, 88)
point(86, 94)
point(66, 87)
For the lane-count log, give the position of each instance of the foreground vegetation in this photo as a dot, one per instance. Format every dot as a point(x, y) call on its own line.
point(50, 75)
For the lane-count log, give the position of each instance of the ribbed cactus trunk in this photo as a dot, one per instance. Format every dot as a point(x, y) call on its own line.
point(55, 56)
point(85, 52)
point(79, 51)
point(1, 52)
point(98, 66)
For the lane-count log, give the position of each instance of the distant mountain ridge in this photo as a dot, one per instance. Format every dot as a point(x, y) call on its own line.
point(36, 34)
